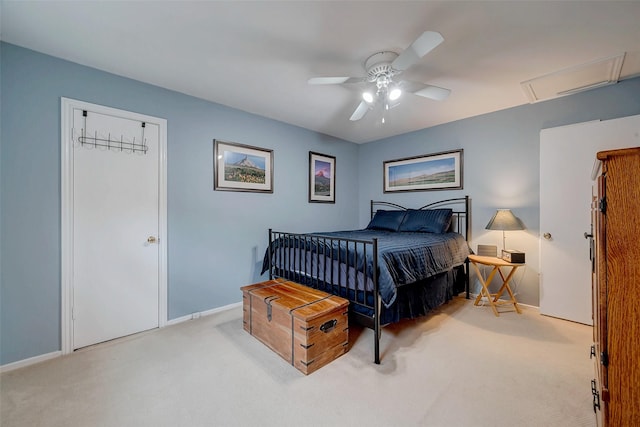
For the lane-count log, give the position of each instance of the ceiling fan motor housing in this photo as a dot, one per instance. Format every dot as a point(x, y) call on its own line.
point(379, 65)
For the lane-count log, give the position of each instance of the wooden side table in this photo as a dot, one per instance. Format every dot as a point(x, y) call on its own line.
point(497, 264)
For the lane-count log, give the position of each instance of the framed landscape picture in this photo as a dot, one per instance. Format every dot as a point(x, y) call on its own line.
point(322, 178)
point(239, 167)
point(438, 171)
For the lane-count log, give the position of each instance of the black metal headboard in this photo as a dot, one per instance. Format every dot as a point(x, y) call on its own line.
point(460, 207)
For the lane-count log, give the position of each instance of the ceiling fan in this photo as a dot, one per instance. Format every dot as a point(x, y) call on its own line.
point(383, 68)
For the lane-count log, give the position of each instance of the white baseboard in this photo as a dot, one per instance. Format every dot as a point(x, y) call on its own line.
point(43, 357)
point(30, 361)
point(199, 314)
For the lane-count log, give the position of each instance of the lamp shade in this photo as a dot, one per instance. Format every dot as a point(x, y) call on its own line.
point(503, 220)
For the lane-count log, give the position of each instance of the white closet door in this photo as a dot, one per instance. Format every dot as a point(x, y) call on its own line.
point(115, 222)
point(567, 156)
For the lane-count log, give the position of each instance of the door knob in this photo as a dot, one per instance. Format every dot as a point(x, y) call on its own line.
point(547, 236)
point(152, 239)
point(587, 235)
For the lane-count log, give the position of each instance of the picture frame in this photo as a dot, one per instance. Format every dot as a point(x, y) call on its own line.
point(239, 167)
point(437, 171)
point(322, 178)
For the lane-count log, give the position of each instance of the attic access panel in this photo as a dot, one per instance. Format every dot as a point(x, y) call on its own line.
point(572, 80)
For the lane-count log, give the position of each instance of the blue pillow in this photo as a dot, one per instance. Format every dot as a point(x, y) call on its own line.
point(427, 221)
point(386, 220)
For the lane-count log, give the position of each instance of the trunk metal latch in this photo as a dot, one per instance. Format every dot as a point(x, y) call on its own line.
point(268, 300)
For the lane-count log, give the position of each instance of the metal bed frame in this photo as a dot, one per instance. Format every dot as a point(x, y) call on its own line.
point(368, 299)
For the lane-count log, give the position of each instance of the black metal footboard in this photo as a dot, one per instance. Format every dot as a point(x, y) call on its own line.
point(333, 265)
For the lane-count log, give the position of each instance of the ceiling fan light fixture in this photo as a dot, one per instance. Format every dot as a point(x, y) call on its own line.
point(394, 94)
point(368, 97)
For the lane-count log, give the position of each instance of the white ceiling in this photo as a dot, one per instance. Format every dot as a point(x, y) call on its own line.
point(256, 56)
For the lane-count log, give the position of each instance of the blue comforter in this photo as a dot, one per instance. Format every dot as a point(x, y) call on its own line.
point(403, 257)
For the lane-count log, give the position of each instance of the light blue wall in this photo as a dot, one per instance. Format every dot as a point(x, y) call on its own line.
point(215, 239)
point(501, 164)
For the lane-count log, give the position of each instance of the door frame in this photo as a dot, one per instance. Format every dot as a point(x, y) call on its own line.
point(66, 210)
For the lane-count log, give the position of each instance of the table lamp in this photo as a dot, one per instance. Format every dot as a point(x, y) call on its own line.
point(504, 220)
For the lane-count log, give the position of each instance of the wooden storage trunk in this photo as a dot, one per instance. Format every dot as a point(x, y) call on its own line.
point(307, 327)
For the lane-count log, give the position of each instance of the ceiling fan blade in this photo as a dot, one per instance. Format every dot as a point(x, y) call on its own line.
point(334, 80)
point(434, 92)
point(424, 44)
point(360, 112)
point(428, 91)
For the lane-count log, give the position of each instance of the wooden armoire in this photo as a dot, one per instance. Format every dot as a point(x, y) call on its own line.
point(616, 287)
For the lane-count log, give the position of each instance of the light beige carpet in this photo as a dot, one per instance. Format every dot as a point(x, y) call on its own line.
point(461, 366)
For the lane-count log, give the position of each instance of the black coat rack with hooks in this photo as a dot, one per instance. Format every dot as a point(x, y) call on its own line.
point(112, 143)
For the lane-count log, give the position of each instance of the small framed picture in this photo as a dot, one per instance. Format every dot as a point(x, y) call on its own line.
point(438, 171)
point(239, 167)
point(322, 178)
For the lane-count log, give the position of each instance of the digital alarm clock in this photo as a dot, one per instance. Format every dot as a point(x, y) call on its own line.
point(515, 257)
